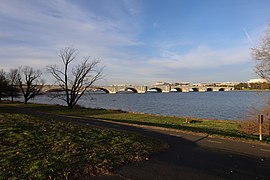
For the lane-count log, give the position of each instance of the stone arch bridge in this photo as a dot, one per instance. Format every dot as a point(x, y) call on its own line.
point(144, 89)
point(163, 88)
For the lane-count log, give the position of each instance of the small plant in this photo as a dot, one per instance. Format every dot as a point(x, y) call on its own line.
point(251, 126)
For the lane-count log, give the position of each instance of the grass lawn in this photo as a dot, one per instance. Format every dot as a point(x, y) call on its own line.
point(224, 128)
point(39, 147)
point(43, 148)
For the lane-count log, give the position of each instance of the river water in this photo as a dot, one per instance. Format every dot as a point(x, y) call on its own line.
point(231, 105)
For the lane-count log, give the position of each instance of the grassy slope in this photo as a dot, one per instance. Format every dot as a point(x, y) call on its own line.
point(42, 148)
point(223, 128)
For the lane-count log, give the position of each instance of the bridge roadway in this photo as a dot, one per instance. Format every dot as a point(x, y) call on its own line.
point(144, 89)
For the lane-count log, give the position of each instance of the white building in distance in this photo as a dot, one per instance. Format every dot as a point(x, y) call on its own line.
point(257, 81)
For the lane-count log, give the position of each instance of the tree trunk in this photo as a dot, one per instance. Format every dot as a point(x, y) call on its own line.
point(12, 93)
point(25, 100)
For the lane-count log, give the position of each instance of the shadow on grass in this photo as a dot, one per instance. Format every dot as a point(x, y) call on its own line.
point(181, 160)
point(209, 131)
point(56, 108)
point(81, 112)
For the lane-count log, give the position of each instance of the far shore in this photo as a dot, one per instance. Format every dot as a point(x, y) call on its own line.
point(258, 90)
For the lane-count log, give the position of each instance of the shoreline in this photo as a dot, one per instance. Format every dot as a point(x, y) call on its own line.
point(222, 128)
point(109, 144)
point(246, 90)
point(217, 106)
point(134, 112)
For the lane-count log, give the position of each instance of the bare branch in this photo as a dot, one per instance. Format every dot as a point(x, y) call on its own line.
point(262, 54)
point(74, 82)
point(29, 82)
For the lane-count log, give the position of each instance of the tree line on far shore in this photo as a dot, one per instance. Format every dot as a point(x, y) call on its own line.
point(252, 86)
point(73, 81)
point(23, 80)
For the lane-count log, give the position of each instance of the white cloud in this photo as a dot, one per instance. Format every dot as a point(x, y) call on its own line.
point(199, 64)
point(14, 57)
point(33, 32)
point(201, 57)
point(47, 26)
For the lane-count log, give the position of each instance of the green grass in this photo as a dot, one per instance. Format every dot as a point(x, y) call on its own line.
point(214, 127)
point(40, 147)
point(43, 148)
point(224, 128)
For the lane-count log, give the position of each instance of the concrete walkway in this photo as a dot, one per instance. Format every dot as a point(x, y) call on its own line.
point(192, 156)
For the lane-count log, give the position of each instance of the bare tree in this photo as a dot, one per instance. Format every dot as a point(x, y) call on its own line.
point(75, 81)
point(29, 82)
point(262, 54)
point(13, 79)
point(3, 84)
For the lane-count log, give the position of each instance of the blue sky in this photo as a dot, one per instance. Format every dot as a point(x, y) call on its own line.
point(138, 41)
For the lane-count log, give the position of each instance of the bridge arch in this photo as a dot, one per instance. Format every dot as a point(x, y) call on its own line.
point(105, 90)
point(209, 89)
point(195, 89)
point(132, 89)
point(159, 90)
point(178, 89)
point(221, 89)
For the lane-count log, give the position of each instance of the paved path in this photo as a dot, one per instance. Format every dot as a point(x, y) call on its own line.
point(196, 157)
point(191, 156)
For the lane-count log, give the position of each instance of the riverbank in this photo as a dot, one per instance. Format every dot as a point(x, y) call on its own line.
point(53, 141)
point(217, 105)
point(35, 146)
point(252, 90)
point(212, 127)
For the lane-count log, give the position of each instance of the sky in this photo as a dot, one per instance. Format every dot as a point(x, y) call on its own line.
point(139, 42)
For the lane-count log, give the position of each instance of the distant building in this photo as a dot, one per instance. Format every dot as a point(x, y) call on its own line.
point(119, 85)
point(181, 84)
point(217, 84)
point(197, 84)
point(161, 83)
point(257, 81)
point(228, 84)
